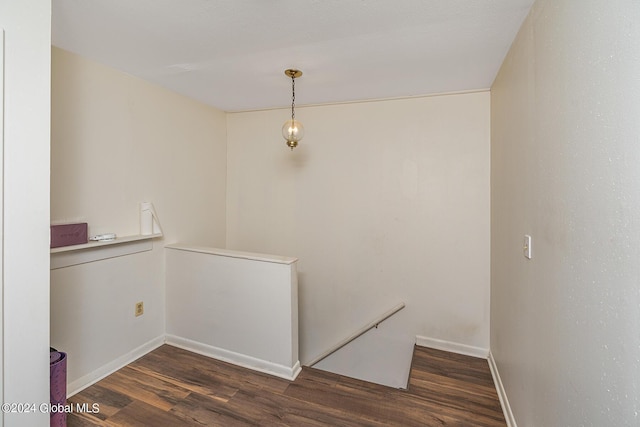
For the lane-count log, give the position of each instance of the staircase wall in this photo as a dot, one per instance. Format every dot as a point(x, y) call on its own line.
point(382, 202)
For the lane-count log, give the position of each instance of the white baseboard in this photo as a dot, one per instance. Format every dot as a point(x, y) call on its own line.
point(453, 347)
point(282, 371)
point(108, 369)
point(502, 395)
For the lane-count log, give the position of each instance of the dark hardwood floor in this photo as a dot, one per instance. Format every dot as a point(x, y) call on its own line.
point(173, 387)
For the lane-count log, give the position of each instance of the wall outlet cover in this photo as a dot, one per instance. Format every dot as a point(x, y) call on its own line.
point(139, 309)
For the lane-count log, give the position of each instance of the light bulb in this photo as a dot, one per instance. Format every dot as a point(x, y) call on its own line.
point(292, 132)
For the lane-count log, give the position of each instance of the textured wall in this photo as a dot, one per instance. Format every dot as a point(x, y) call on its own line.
point(565, 153)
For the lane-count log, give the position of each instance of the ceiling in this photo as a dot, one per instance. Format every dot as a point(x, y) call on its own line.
point(232, 54)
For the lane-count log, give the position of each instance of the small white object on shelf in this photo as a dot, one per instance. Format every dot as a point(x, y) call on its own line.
point(103, 237)
point(149, 222)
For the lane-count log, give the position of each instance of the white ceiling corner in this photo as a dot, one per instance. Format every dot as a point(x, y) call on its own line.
point(232, 54)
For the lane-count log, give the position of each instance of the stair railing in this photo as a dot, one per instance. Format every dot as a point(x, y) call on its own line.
point(364, 329)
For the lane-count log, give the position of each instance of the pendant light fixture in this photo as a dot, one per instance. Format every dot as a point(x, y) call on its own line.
point(292, 130)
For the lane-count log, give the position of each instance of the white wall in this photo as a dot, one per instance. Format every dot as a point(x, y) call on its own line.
point(382, 202)
point(118, 141)
point(565, 169)
point(27, 86)
point(236, 306)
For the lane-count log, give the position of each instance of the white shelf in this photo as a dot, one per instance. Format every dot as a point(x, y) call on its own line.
point(94, 251)
point(116, 241)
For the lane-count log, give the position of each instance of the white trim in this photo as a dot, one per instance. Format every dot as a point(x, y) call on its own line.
point(502, 394)
point(111, 367)
point(276, 259)
point(2, 222)
point(282, 371)
point(453, 347)
point(365, 101)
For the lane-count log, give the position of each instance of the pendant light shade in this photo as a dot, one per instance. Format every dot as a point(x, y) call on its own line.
point(292, 130)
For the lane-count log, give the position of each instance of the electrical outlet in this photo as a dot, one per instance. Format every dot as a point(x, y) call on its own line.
point(139, 309)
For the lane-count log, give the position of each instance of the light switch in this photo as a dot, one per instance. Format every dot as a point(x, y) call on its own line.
point(527, 246)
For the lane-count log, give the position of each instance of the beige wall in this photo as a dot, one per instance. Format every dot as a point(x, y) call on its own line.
point(382, 202)
point(565, 168)
point(118, 141)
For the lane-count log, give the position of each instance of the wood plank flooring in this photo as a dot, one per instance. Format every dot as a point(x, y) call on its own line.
point(173, 387)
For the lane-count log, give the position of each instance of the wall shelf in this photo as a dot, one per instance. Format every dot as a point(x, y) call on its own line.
point(94, 251)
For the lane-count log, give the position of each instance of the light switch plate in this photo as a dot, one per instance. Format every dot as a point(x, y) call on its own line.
point(527, 246)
